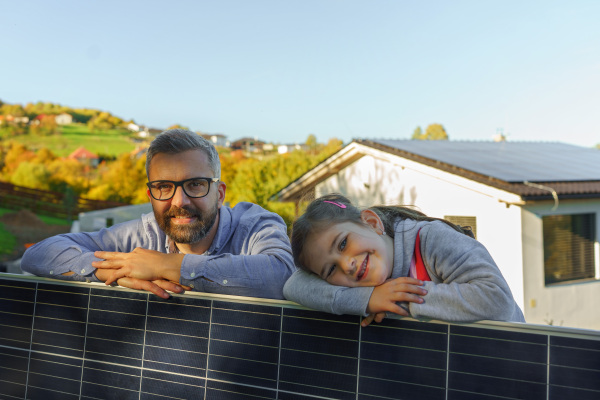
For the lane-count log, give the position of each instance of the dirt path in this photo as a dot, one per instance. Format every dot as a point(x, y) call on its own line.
point(27, 228)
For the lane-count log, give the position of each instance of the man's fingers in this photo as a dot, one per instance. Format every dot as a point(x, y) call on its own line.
point(107, 264)
point(170, 286)
point(132, 283)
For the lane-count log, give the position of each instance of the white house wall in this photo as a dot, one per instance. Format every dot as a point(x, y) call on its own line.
point(573, 305)
point(373, 180)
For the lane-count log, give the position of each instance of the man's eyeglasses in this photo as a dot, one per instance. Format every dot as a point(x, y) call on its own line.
point(193, 187)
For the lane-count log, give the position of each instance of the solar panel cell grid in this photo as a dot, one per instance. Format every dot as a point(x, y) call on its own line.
point(132, 345)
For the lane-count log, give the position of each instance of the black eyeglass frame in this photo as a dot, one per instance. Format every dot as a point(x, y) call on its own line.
point(181, 183)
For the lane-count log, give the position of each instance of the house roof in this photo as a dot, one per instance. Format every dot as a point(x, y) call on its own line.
point(82, 152)
point(534, 171)
point(508, 161)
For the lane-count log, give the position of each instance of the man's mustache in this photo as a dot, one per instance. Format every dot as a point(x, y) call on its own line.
point(175, 211)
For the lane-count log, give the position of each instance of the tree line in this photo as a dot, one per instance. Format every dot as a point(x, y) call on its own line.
point(252, 177)
point(40, 118)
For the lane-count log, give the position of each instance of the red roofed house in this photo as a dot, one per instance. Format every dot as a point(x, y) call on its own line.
point(84, 156)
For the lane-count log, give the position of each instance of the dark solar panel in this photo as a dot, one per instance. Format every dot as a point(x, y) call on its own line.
point(510, 161)
point(77, 341)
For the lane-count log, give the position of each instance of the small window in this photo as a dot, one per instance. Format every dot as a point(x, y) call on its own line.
point(465, 222)
point(569, 247)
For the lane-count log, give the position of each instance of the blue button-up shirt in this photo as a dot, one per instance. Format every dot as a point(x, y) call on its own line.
point(249, 256)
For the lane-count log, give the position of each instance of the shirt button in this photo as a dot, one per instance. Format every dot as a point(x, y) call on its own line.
point(83, 271)
point(224, 281)
point(192, 274)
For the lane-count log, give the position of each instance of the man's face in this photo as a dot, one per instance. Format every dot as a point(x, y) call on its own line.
point(182, 218)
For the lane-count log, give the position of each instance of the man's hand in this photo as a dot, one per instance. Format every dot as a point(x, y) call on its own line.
point(141, 269)
point(385, 297)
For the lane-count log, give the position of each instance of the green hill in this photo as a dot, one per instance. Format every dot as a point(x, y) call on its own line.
point(106, 142)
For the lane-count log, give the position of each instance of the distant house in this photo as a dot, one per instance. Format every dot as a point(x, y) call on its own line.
point(216, 139)
point(133, 127)
point(139, 151)
point(535, 206)
point(84, 156)
point(288, 148)
point(12, 119)
point(250, 145)
point(64, 119)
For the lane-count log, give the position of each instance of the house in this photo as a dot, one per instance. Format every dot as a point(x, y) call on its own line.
point(288, 148)
point(535, 206)
point(84, 156)
point(250, 145)
point(64, 119)
point(133, 127)
point(13, 120)
point(216, 139)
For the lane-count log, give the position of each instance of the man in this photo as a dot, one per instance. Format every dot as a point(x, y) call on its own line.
point(190, 242)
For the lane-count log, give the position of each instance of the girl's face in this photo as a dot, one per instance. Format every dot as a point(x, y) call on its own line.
point(349, 254)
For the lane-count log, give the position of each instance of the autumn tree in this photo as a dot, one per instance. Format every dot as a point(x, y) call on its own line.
point(45, 126)
point(417, 133)
point(65, 174)
point(32, 175)
point(177, 126)
point(433, 132)
point(104, 121)
point(16, 153)
point(122, 180)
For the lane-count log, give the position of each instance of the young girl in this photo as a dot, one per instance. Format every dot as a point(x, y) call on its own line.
point(393, 259)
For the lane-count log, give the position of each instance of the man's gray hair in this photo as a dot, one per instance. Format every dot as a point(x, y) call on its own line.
point(174, 141)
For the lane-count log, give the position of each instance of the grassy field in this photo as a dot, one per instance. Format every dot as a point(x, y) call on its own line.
point(111, 142)
point(7, 241)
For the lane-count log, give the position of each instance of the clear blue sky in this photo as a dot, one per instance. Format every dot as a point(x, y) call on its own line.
point(280, 70)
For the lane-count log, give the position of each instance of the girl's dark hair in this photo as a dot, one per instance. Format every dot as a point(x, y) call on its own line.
point(335, 208)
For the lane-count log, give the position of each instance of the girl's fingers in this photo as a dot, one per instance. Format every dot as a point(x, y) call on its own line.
point(396, 309)
point(367, 320)
point(403, 287)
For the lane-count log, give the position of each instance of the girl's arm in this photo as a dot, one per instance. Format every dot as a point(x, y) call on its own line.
point(466, 285)
point(311, 291)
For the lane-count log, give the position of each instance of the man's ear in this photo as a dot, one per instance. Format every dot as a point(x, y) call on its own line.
point(148, 194)
point(222, 188)
point(371, 218)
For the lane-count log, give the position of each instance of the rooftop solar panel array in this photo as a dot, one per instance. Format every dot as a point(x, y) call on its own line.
point(78, 341)
point(510, 161)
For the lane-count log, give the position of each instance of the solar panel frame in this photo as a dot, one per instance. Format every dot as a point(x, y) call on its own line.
point(86, 341)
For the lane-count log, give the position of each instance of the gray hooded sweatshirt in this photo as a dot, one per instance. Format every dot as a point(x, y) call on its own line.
point(466, 284)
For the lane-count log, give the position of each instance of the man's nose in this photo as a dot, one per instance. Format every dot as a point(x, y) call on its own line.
point(180, 198)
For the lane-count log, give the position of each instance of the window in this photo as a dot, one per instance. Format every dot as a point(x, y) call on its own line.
point(569, 247)
point(465, 222)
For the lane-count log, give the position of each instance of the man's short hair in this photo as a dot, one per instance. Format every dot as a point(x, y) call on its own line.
point(174, 141)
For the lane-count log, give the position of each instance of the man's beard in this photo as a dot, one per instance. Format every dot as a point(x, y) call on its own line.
point(188, 233)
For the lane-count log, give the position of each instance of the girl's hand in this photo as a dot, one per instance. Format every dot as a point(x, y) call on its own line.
point(369, 318)
point(385, 297)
